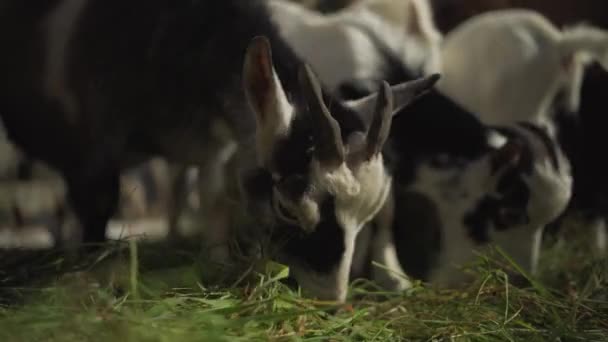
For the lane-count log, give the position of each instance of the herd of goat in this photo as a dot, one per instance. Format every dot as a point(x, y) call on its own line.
point(337, 139)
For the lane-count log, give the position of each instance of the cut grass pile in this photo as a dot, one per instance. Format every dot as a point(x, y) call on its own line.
point(152, 293)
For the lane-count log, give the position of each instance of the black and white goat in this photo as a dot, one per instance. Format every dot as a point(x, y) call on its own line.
point(413, 41)
point(534, 72)
point(461, 186)
point(483, 186)
point(93, 86)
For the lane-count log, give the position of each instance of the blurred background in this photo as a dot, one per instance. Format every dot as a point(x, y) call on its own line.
point(33, 209)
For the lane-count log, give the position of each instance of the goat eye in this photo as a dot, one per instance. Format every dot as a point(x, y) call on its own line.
point(282, 212)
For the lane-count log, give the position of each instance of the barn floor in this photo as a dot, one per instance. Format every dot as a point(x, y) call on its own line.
point(153, 292)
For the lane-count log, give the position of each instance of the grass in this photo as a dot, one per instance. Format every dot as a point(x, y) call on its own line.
point(131, 292)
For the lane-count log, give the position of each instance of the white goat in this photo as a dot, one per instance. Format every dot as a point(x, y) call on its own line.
point(509, 65)
point(405, 27)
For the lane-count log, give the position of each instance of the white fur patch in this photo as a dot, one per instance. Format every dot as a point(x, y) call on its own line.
point(550, 189)
point(377, 186)
point(339, 182)
point(358, 204)
point(310, 215)
point(340, 52)
point(496, 140)
point(60, 28)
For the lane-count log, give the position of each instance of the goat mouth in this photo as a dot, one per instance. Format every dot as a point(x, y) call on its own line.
point(322, 287)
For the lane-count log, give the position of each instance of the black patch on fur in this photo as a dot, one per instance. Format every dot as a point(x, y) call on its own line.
point(431, 126)
point(321, 250)
point(293, 154)
point(479, 220)
point(294, 187)
point(258, 184)
point(502, 213)
point(514, 193)
point(417, 233)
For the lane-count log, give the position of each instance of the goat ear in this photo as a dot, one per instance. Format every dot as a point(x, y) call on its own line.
point(262, 86)
point(381, 124)
point(266, 97)
point(403, 94)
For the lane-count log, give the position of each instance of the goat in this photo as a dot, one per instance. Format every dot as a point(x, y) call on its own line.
point(512, 215)
point(522, 75)
point(460, 186)
point(93, 87)
point(407, 27)
point(484, 185)
point(535, 71)
point(352, 55)
point(451, 13)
